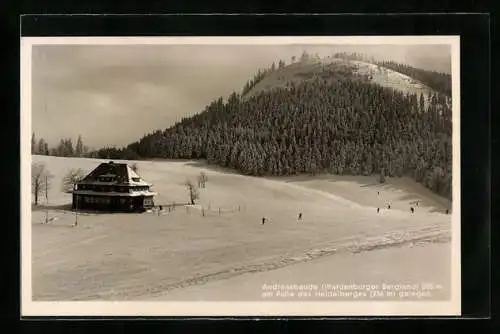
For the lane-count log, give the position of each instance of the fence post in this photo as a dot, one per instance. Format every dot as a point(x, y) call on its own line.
point(76, 211)
point(238, 208)
point(203, 211)
point(219, 211)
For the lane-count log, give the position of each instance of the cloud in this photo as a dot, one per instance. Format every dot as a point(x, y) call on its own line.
point(112, 95)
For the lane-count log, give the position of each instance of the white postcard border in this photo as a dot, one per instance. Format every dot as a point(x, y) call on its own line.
point(288, 308)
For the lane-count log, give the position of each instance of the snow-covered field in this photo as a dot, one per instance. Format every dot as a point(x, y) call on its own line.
point(392, 79)
point(298, 72)
point(184, 255)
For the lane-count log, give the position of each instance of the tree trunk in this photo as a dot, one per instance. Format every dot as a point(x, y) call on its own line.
point(36, 193)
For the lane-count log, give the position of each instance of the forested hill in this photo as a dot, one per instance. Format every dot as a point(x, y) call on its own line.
point(334, 122)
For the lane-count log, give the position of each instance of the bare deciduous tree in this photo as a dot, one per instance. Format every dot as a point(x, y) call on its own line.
point(193, 191)
point(40, 180)
point(134, 167)
point(73, 176)
point(382, 176)
point(202, 180)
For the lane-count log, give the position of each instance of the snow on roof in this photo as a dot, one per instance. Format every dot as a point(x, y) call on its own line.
point(134, 178)
point(121, 172)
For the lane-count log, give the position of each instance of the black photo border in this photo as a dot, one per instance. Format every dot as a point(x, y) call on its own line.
point(475, 69)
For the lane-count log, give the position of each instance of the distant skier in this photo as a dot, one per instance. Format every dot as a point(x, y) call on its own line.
point(412, 210)
point(263, 220)
point(378, 210)
point(300, 216)
point(378, 192)
point(447, 211)
point(388, 206)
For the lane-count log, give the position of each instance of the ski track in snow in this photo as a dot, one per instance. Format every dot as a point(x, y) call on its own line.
point(355, 244)
point(433, 234)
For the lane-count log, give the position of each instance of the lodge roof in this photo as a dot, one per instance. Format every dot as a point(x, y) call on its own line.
point(112, 193)
point(121, 174)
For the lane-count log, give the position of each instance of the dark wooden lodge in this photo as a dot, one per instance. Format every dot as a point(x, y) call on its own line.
point(113, 187)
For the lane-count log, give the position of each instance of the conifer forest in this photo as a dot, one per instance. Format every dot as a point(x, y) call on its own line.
point(332, 121)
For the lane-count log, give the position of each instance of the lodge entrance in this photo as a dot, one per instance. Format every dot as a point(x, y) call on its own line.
point(127, 204)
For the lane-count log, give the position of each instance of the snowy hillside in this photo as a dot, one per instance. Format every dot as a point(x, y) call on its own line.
point(146, 256)
point(300, 71)
point(392, 79)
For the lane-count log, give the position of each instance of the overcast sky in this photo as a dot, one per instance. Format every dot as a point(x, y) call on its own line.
point(113, 95)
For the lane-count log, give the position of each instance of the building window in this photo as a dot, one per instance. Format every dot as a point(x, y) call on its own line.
point(106, 178)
